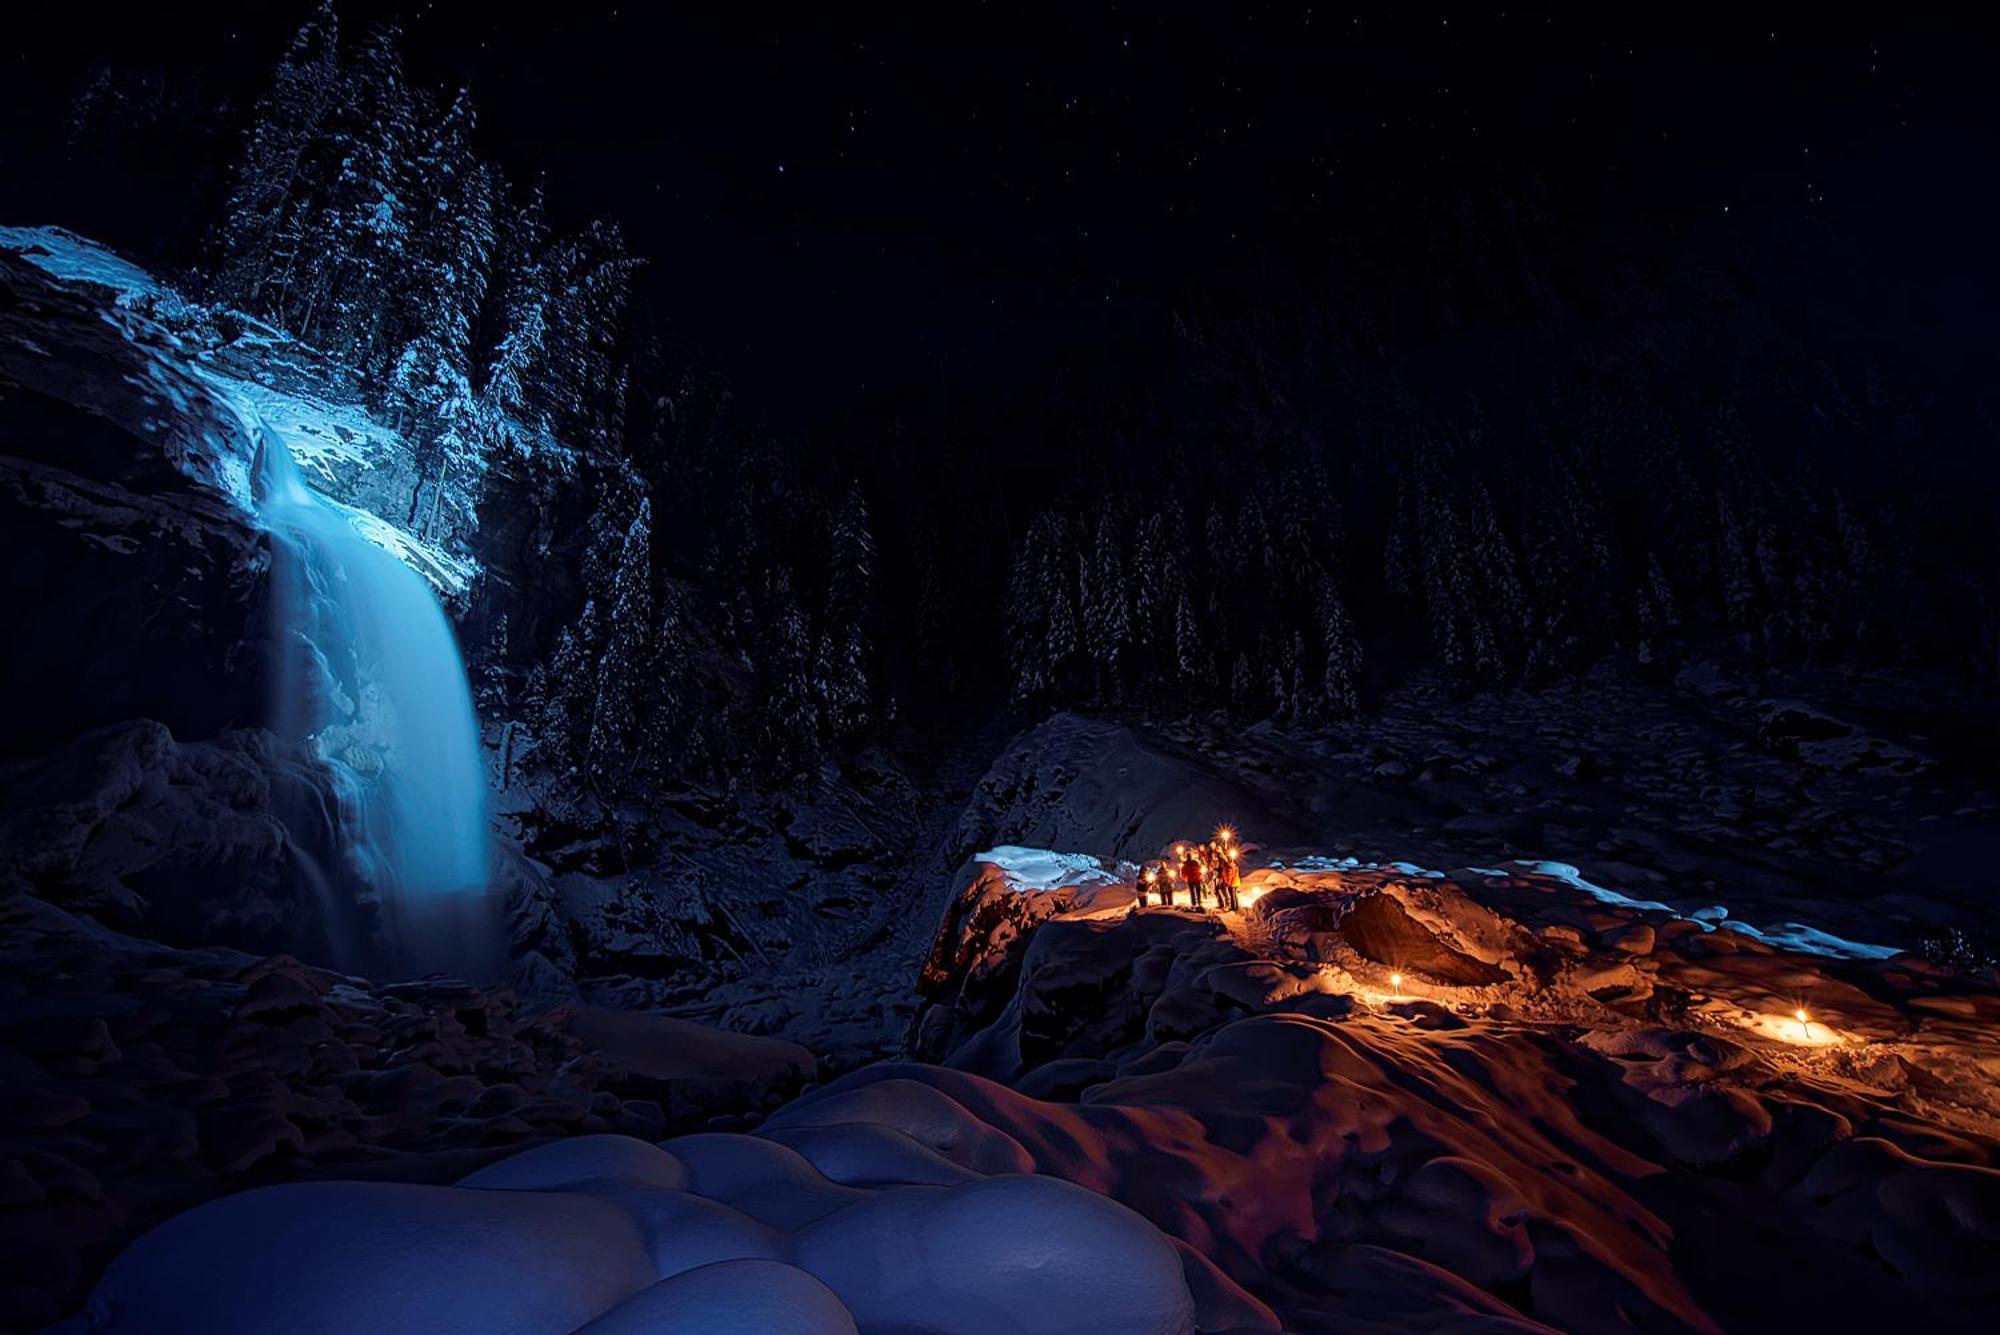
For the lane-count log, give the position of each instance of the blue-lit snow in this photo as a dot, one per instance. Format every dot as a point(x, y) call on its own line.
point(1315, 862)
point(1046, 869)
point(1792, 936)
point(704, 1234)
point(78, 259)
point(327, 440)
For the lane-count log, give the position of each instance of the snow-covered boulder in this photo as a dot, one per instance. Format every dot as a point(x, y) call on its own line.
point(706, 1233)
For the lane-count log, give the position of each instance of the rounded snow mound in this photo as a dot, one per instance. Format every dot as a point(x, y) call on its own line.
point(815, 1230)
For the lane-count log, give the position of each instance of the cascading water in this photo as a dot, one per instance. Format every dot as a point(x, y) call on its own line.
point(371, 675)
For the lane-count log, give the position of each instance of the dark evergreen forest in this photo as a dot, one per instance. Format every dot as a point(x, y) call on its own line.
point(1275, 496)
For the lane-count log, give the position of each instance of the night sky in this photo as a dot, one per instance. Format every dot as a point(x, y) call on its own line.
point(838, 205)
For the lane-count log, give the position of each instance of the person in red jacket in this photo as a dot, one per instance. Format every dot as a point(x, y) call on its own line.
point(1191, 876)
point(1230, 879)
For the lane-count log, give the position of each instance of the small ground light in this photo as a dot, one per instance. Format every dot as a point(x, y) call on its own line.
point(1396, 981)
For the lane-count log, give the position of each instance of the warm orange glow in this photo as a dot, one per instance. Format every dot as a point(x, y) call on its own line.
point(1396, 981)
point(1224, 833)
point(1152, 875)
point(1796, 1027)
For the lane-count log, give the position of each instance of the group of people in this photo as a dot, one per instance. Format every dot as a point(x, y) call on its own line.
point(1209, 872)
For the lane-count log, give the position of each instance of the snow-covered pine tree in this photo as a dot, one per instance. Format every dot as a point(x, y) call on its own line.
point(1027, 623)
point(1554, 645)
point(270, 183)
point(622, 668)
point(933, 655)
point(851, 574)
point(368, 218)
point(562, 730)
point(1497, 574)
point(1063, 638)
point(1041, 610)
point(431, 381)
point(1461, 638)
point(792, 719)
point(1245, 697)
point(618, 500)
point(1399, 561)
point(493, 671)
point(1223, 547)
point(1105, 605)
point(1289, 701)
point(1192, 661)
point(1682, 518)
point(843, 674)
point(1146, 580)
point(1736, 564)
point(535, 692)
point(1341, 655)
point(1587, 527)
point(579, 372)
point(521, 314)
point(1258, 565)
point(1307, 522)
point(1658, 610)
point(664, 731)
point(1863, 571)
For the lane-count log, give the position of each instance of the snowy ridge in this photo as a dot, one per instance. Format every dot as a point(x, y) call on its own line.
point(1041, 869)
point(1032, 869)
point(76, 259)
point(337, 445)
point(1793, 936)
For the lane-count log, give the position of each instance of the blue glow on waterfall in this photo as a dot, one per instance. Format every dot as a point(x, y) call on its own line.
point(371, 674)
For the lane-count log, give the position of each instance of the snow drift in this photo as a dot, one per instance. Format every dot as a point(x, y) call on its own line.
point(834, 1229)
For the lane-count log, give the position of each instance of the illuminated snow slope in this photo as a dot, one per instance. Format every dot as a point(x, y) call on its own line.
point(1038, 869)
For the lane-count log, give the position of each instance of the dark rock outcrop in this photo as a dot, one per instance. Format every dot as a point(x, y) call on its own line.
point(140, 1079)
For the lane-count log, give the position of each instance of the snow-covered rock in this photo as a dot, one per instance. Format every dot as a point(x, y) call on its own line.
point(137, 1080)
point(1427, 1083)
point(201, 394)
point(708, 1233)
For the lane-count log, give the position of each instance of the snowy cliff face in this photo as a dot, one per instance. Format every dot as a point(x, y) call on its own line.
point(192, 532)
point(201, 383)
point(131, 552)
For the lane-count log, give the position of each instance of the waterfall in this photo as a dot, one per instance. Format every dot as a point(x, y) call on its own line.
point(371, 677)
